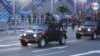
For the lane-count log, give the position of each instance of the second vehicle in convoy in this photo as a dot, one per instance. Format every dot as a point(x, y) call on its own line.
point(89, 28)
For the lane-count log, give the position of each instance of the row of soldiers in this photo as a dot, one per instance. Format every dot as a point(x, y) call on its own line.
point(44, 18)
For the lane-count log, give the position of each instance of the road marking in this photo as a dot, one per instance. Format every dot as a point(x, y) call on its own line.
point(8, 45)
point(72, 41)
point(7, 42)
point(50, 49)
point(51, 53)
point(86, 53)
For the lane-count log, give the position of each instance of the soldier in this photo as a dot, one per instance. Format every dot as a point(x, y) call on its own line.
point(22, 18)
point(29, 19)
point(34, 18)
point(52, 19)
point(47, 20)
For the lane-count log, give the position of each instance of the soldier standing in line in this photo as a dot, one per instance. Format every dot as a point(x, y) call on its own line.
point(42, 17)
point(47, 20)
point(29, 19)
point(22, 18)
point(34, 18)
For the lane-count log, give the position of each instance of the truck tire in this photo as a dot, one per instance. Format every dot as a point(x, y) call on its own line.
point(24, 43)
point(93, 36)
point(41, 42)
point(62, 40)
point(78, 36)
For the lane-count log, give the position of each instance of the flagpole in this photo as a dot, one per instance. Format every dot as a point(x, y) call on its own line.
point(51, 6)
point(13, 15)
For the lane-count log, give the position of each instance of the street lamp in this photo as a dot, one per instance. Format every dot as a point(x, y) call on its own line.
point(52, 4)
point(13, 14)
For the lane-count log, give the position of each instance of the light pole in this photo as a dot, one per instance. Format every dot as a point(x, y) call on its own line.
point(51, 6)
point(13, 15)
point(13, 12)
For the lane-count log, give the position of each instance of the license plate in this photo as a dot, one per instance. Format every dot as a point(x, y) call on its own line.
point(81, 33)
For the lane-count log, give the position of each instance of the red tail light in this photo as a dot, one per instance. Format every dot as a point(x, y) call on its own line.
point(43, 32)
point(95, 27)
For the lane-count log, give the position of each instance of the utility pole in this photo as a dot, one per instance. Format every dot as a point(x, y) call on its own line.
point(51, 6)
point(13, 15)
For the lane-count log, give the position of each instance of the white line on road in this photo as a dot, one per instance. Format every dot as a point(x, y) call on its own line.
point(86, 53)
point(8, 42)
point(8, 45)
point(50, 49)
point(72, 41)
point(51, 53)
point(37, 50)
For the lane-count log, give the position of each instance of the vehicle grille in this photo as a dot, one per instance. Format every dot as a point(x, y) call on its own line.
point(84, 30)
point(30, 36)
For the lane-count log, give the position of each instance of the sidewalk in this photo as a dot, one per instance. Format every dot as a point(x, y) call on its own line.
point(13, 31)
point(9, 36)
point(9, 33)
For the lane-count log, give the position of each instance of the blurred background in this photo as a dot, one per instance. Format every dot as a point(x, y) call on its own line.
point(15, 8)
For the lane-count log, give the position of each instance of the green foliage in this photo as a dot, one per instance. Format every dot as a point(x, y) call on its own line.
point(62, 9)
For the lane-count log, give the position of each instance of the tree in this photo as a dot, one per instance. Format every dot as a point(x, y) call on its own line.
point(62, 9)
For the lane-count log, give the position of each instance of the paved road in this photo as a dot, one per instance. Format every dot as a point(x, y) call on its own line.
point(10, 46)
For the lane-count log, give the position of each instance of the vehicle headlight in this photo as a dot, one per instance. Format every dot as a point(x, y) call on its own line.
point(89, 29)
point(79, 29)
point(24, 34)
point(35, 35)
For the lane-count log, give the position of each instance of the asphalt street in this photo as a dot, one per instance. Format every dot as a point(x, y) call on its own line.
point(10, 46)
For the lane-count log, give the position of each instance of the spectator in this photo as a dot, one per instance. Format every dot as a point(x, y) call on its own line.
point(34, 18)
point(29, 19)
point(42, 18)
point(89, 18)
point(22, 18)
point(38, 18)
point(47, 20)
